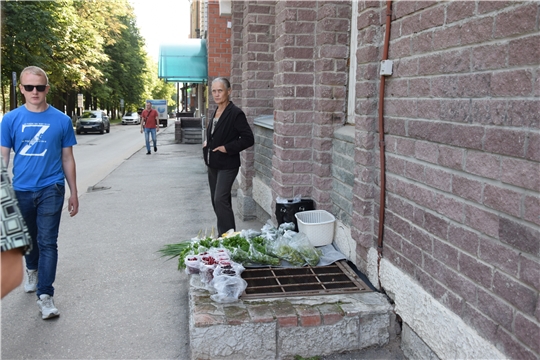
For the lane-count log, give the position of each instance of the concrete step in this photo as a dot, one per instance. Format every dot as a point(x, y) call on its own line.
point(189, 136)
point(281, 328)
point(192, 136)
point(188, 131)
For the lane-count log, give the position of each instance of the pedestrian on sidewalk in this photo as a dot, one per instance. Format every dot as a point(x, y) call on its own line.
point(42, 139)
point(227, 134)
point(150, 125)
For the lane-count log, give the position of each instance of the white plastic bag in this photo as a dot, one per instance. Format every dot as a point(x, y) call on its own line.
point(295, 199)
point(228, 288)
point(192, 263)
point(296, 249)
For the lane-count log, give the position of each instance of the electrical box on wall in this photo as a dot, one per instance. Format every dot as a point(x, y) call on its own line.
point(386, 67)
point(225, 7)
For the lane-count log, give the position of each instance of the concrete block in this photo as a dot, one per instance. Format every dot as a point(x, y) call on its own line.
point(262, 194)
point(319, 340)
point(245, 205)
point(344, 242)
point(230, 342)
point(281, 328)
point(413, 347)
point(374, 330)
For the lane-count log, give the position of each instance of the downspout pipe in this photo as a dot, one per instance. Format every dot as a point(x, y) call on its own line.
point(382, 200)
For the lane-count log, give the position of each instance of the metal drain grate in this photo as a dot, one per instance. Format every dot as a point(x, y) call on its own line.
point(337, 278)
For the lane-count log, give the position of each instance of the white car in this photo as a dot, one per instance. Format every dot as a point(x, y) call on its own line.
point(131, 118)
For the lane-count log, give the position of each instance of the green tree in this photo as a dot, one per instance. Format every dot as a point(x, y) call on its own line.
point(157, 88)
point(90, 47)
point(49, 34)
point(126, 67)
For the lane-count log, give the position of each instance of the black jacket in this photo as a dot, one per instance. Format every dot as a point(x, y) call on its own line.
point(232, 131)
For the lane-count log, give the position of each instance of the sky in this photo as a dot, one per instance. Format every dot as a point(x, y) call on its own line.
point(161, 22)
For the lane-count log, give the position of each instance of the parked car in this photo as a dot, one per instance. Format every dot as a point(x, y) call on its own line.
point(131, 118)
point(93, 121)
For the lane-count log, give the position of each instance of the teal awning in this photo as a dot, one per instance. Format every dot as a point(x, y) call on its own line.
point(185, 61)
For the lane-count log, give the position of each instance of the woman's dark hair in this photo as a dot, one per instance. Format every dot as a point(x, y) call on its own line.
point(224, 81)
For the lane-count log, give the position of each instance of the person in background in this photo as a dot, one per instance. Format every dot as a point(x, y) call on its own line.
point(150, 125)
point(15, 239)
point(227, 134)
point(42, 139)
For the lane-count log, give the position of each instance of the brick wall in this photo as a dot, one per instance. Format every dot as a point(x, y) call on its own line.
point(365, 188)
point(462, 142)
point(219, 49)
point(218, 42)
point(330, 91)
point(258, 58)
point(463, 158)
point(257, 71)
point(310, 93)
point(237, 20)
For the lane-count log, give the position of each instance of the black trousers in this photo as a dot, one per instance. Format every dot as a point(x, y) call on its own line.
point(221, 182)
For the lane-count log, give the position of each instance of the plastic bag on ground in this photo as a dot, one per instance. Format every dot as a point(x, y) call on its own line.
point(229, 268)
point(296, 199)
point(296, 249)
point(228, 288)
point(249, 234)
point(192, 263)
point(219, 254)
point(240, 256)
point(206, 267)
point(257, 257)
point(270, 233)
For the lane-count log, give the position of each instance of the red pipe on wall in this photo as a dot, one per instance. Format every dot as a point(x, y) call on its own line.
point(382, 144)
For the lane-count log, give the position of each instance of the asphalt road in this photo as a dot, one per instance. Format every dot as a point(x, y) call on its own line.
point(97, 155)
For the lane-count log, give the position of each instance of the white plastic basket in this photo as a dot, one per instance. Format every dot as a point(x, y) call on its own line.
point(318, 225)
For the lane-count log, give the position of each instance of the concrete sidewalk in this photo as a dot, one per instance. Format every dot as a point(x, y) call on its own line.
point(117, 298)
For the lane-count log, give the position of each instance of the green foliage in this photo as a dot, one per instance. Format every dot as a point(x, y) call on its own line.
point(158, 88)
point(90, 47)
point(125, 71)
point(242, 250)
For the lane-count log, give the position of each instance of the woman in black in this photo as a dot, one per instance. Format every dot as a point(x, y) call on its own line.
point(227, 134)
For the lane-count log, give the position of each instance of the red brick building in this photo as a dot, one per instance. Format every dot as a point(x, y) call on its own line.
point(219, 47)
point(460, 213)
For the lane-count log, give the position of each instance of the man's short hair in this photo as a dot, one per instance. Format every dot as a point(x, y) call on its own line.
point(35, 70)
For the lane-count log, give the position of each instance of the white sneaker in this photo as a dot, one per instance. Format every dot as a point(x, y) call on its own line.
point(46, 305)
point(30, 285)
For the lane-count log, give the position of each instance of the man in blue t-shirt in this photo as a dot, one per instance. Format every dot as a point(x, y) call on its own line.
point(42, 139)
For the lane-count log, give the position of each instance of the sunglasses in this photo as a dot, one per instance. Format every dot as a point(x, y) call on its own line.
point(39, 88)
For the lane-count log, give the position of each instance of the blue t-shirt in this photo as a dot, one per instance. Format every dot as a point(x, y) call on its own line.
point(37, 140)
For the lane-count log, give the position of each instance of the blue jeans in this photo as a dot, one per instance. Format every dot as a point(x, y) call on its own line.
point(41, 211)
point(147, 140)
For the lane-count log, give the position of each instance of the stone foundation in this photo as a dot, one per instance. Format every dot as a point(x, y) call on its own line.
point(280, 328)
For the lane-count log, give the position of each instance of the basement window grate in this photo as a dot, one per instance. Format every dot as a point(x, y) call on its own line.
point(337, 278)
